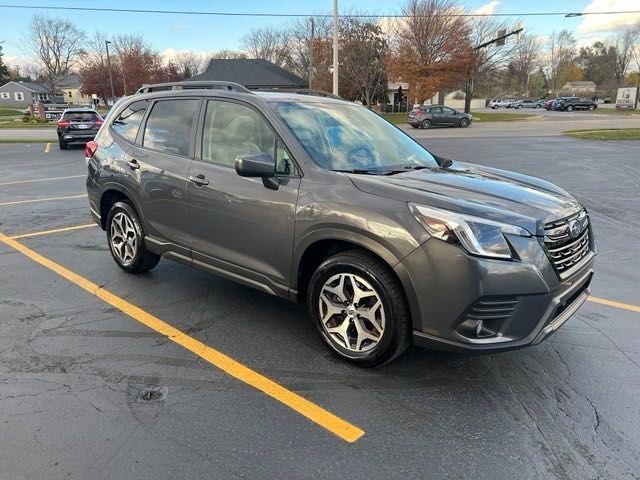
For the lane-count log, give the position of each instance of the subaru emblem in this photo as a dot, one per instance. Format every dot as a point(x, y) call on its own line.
point(575, 228)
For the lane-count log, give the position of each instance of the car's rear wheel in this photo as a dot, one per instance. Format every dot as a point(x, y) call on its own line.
point(592, 108)
point(359, 308)
point(464, 123)
point(63, 145)
point(518, 107)
point(494, 107)
point(426, 124)
point(126, 240)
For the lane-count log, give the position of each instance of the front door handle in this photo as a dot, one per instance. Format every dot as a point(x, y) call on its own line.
point(133, 164)
point(199, 180)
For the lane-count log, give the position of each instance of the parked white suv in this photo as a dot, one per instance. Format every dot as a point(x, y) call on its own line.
point(501, 102)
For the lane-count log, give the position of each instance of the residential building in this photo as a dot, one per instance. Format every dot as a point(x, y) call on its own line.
point(253, 73)
point(71, 89)
point(579, 88)
point(23, 94)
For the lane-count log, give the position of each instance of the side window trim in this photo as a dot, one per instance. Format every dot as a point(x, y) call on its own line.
point(296, 171)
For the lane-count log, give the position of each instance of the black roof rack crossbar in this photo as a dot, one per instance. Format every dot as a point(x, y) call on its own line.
point(194, 85)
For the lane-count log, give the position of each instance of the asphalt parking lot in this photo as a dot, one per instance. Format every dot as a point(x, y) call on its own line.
point(136, 384)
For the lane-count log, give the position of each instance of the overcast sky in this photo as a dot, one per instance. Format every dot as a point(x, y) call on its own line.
point(174, 33)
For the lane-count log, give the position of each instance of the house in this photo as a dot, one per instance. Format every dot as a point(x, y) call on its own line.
point(71, 89)
point(253, 73)
point(24, 94)
point(580, 88)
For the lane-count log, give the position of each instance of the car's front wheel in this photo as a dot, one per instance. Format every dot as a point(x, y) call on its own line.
point(592, 108)
point(569, 108)
point(359, 308)
point(464, 123)
point(126, 240)
point(426, 124)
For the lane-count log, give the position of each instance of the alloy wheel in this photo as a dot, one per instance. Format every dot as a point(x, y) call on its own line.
point(123, 238)
point(351, 312)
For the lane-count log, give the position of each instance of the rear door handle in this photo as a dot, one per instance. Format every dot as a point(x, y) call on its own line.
point(133, 164)
point(199, 180)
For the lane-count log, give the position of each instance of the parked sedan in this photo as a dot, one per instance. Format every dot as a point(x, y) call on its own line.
point(573, 103)
point(432, 115)
point(528, 103)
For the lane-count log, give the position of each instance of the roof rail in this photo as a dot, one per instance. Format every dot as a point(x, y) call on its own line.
point(194, 85)
point(301, 91)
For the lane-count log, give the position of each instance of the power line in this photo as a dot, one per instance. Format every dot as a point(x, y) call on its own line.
point(325, 15)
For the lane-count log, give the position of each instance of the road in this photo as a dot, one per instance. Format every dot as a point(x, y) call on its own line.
point(87, 391)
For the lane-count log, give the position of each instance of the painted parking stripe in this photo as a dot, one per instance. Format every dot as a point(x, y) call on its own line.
point(611, 303)
point(47, 148)
point(54, 230)
point(310, 410)
point(18, 182)
point(36, 200)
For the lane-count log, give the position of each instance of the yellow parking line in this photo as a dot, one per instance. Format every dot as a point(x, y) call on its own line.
point(17, 182)
point(47, 148)
point(54, 230)
point(611, 303)
point(35, 200)
point(310, 410)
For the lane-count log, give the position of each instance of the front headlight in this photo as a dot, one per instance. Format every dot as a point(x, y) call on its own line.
point(479, 236)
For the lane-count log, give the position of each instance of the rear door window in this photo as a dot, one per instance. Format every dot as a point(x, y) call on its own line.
point(128, 122)
point(170, 124)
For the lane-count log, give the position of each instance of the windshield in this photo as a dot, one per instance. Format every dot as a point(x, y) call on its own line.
point(349, 137)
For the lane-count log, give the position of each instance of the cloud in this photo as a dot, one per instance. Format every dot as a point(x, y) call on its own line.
point(488, 8)
point(609, 23)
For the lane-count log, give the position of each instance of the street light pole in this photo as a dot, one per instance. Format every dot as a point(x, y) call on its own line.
point(335, 47)
point(113, 95)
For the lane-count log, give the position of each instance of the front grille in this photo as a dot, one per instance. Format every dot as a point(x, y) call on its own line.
point(567, 241)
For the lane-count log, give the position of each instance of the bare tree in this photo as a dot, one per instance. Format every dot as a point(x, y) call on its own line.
point(55, 45)
point(226, 54)
point(299, 46)
point(189, 64)
point(268, 43)
point(525, 60)
point(626, 45)
point(562, 53)
point(364, 59)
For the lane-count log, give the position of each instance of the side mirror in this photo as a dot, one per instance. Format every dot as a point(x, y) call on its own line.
point(444, 162)
point(258, 165)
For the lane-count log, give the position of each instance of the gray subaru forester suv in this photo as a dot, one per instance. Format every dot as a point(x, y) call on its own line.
point(320, 200)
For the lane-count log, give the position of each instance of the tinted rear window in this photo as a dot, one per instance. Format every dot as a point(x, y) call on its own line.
point(170, 126)
point(129, 120)
point(81, 116)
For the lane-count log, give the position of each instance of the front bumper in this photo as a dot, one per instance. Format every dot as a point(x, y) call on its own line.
point(444, 285)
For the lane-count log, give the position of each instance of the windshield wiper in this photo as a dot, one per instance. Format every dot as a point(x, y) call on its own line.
point(405, 169)
point(359, 170)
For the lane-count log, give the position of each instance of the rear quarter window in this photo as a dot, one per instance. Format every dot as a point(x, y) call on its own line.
point(128, 122)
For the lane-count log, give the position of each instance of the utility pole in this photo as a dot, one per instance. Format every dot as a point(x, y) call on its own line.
point(106, 44)
point(499, 40)
point(335, 47)
point(311, 42)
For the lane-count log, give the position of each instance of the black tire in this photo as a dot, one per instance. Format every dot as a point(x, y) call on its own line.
point(396, 336)
point(63, 145)
point(464, 123)
point(569, 108)
point(143, 260)
point(425, 124)
point(518, 107)
point(414, 126)
point(494, 107)
point(592, 108)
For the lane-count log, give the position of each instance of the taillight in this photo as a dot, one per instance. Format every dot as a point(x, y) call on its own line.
point(418, 113)
point(90, 149)
point(63, 123)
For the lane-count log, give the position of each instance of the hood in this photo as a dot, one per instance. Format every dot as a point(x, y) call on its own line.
point(486, 192)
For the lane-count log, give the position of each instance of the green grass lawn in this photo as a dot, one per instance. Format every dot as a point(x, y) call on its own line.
point(25, 140)
point(13, 124)
point(401, 118)
point(606, 134)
